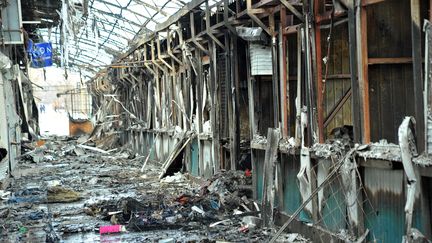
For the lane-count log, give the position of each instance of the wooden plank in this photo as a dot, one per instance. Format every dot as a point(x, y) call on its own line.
point(234, 99)
point(226, 17)
point(362, 56)
point(275, 83)
point(309, 91)
point(236, 90)
point(338, 62)
point(332, 113)
point(347, 108)
point(430, 10)
point(270, 161)
point(251, 105)
point(229, 99)
point(214, 115)
point(179, 14)
point(252, 123)
point(338, 76)
point(181, 144)
point(283, 63)
point(208, 30)
point(251, 13)
point(416, 38)
point(319, 78)
point(292, 9)
point(370, 2)
point(299, 98)
point(327, 16)
point(389, 60)
point(160, 58)
point(193, 36)
point(290, 30)
point(198, 102)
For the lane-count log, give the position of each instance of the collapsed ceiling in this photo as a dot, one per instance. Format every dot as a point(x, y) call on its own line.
point(88, 34)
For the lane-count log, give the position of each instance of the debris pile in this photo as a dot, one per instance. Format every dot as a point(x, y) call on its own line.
point(218, 205)
point(82, 192)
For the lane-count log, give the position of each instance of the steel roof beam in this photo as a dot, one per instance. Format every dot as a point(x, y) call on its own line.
point(155, 8)
point(116, 16)
point(91, 43)
point(121, 7)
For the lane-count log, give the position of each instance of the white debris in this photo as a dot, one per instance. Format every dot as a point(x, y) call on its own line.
point(176, 178)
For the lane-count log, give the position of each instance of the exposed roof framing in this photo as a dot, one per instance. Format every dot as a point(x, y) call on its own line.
point(115, 23)
point(153, 7)
point(126, 9)
point(85, 45)
point(116, 16)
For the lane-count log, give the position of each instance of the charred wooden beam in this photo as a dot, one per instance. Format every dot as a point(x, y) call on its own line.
point(193, 36)
point(319, 78)
point(284, 87)
point(251, 12)
point(160, 58)
point(214, 115)
point(292, 9)
point(153, 58)
point(234, 95)
point(275, 76)
point(355, 104)
point(226, 17)
point(169, 50)
point(389, 60)
point(416, 39)
point(208, 29)
point(370, 2)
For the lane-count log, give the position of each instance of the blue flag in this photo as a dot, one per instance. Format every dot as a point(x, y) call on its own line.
point(41, 54)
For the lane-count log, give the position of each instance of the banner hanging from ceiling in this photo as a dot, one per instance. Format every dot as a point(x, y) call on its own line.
point(40, 54)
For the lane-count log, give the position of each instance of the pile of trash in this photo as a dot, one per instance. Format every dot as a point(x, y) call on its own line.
point(59, 148)
point(219, 208)
point(220, 201)
point(69, 187)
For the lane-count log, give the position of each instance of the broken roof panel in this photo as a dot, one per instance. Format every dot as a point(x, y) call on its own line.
point(88, 34)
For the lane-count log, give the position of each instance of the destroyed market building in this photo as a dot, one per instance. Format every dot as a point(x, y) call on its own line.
point(325, 104)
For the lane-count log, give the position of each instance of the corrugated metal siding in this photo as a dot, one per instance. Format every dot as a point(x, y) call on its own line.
point(331, 200)
point(333, 212)
point(385, 189)
point(194, 158)
point(259, 166)
point(291, 192)
point(260, 59)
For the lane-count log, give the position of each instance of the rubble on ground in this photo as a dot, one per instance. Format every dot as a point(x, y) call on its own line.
point(63, 191)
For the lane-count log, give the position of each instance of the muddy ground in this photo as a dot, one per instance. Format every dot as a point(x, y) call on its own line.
point(63, 193)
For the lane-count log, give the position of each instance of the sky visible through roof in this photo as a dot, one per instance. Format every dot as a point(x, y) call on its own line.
point(94, 37)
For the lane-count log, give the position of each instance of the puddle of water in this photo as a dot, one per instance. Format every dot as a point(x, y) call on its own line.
point(147, 236)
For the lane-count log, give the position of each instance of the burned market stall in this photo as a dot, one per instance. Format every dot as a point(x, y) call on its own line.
point(290, 91)
point(238, 120)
